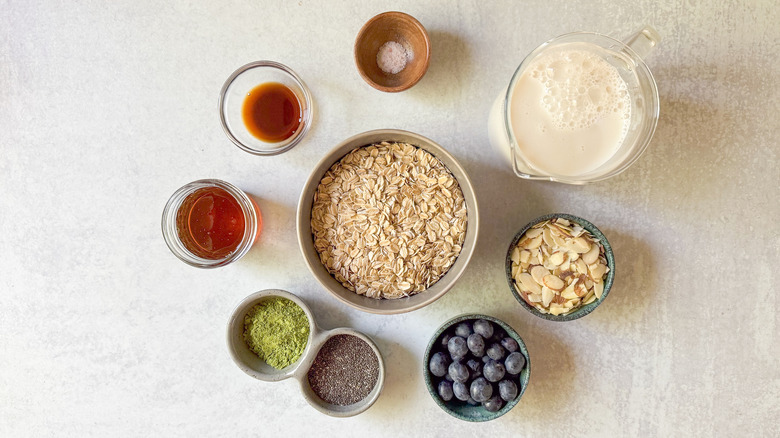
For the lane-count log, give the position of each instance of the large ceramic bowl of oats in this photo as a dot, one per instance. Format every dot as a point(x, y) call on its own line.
point(387, 221)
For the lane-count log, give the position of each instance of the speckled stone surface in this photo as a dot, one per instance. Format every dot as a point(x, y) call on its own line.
point(106, 108)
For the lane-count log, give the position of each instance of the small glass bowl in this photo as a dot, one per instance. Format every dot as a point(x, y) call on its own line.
point(235, 90)
point(252, 223)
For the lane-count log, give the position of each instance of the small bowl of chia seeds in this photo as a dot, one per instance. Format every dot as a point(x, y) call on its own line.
point(272, 336)
point(346, 375)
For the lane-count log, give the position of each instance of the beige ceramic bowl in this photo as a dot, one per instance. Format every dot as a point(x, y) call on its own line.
point(251, 364)
point(361, 302)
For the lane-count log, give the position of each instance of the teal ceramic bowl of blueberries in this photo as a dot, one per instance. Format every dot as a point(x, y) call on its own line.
point(476, 367)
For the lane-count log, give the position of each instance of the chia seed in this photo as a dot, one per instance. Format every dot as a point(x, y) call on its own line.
point(345, 370)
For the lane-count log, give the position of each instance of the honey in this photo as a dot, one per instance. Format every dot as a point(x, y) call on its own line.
point(210, 223)
point(271, 112)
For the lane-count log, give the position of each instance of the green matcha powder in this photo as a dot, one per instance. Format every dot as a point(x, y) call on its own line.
point(277, 331)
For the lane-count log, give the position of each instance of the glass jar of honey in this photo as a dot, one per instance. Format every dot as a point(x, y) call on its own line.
point(210, 223)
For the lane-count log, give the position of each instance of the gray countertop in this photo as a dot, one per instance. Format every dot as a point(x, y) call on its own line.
point(106, 108)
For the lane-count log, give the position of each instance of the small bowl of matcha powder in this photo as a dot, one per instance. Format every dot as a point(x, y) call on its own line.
point(269, 333)
point(277, 331)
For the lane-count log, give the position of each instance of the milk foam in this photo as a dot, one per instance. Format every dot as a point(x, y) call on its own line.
point(570, 111)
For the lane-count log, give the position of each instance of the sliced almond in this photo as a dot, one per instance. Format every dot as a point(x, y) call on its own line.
point(557, 237)
point(582, 267)
point(515, 257)
point(524, 295)
point(597, 271)
point(538, 272)
point(591, 256)
point(566, 276)
point(548, 237)
point(535, 298)
point(529, 283)
point(557, 258)
point(553, 282)
point(598, 289)
point(524, 256)
point(569, 294)
point(580, 289)
point(514, 270)
point(581, 245)
point(547, 296)
point(556, 309)
point(533, 233)
point(588, 283)
point(588, 296)
point(532, 243)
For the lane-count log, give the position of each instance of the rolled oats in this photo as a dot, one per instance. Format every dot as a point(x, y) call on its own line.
point(388, 220)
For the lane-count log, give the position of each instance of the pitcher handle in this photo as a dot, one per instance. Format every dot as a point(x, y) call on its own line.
point(644, 41)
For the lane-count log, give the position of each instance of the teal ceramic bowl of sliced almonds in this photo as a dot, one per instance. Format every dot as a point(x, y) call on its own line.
point(560, 267)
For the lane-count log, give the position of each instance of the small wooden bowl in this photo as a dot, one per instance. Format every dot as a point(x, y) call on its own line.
point(403, 29)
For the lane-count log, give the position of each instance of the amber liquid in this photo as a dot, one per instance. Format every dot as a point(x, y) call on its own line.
point(210, 222)
point(271, 112)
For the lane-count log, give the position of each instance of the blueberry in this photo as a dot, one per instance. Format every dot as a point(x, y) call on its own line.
point(463, 329)
point(483, 328)
point(498, 335)
point(461, 391)
point(448, 378)
point(475, 367)
point(457, 347)
point(507, 390)
point(481, 389)
point(459, 372)
point(445, 338)
point(515, 363)
point(485, 359)
point(510, 344)
point(476, 344)
point(494, 404)
point(445, 390)
point(496, 352)
point(493, 371)
point(438, 364)
point(472, 402)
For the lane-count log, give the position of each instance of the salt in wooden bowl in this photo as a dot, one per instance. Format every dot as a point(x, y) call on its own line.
point(392, 27)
